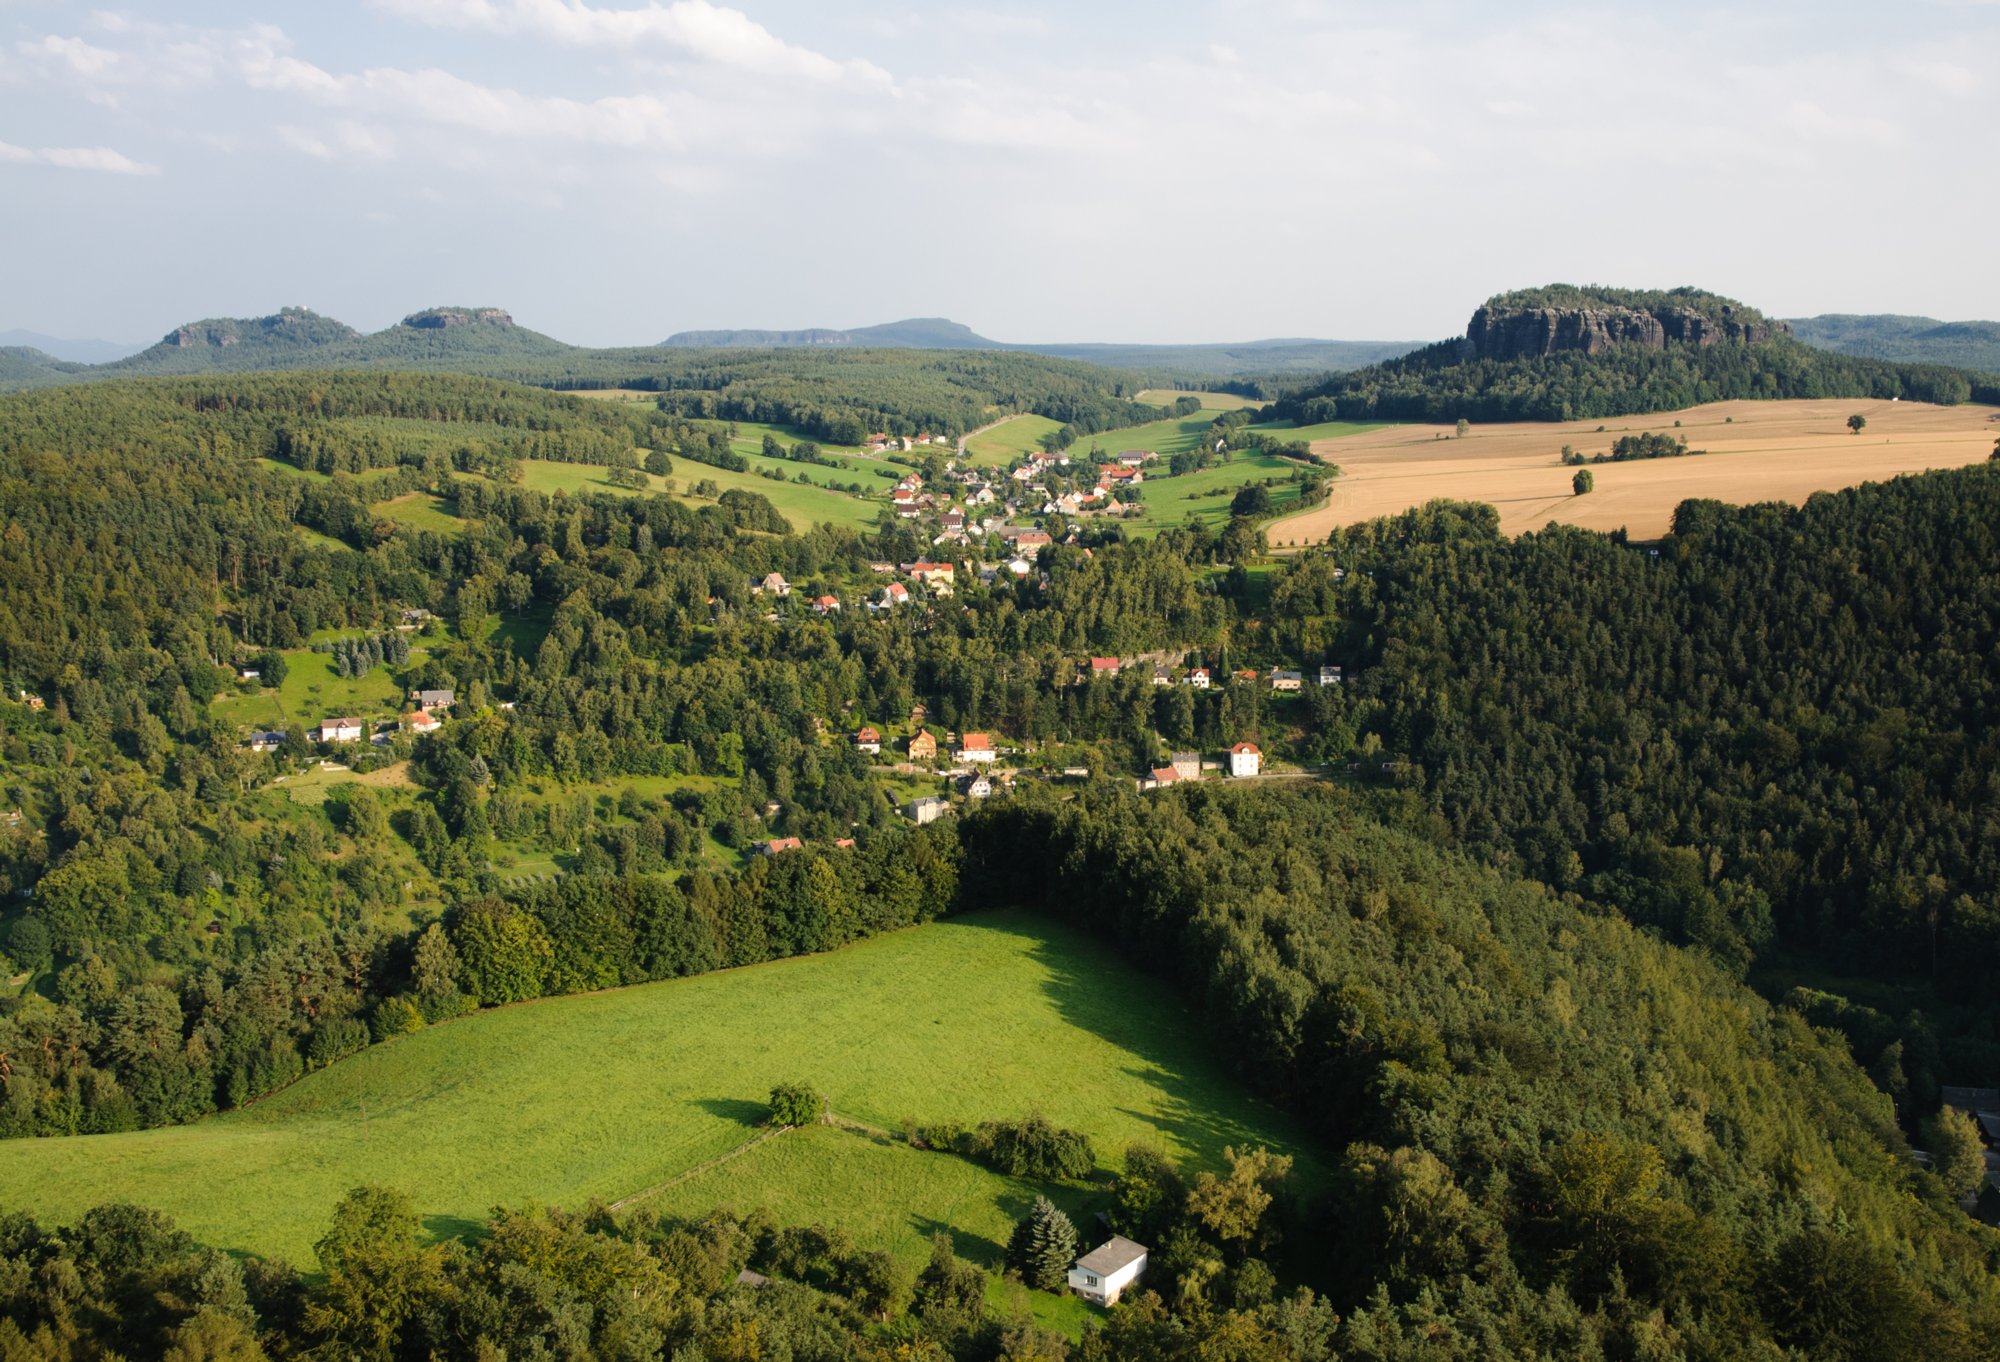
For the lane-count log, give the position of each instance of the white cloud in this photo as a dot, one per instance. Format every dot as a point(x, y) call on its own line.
point(102, 159)
point(81, 58)
point(709, 33)
point(1948, 77)
point(346, 140)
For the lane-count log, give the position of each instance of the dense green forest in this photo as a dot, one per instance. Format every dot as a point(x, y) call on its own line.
point(1580, 775)
point(1536, 1161)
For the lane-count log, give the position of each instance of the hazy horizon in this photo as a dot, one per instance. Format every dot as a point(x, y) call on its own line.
point(1043, 174)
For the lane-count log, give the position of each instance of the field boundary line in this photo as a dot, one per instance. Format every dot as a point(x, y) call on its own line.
point(832, 1118)
point(759, 1138)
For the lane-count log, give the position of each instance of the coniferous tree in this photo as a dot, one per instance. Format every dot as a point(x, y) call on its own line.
point(1043, 1246)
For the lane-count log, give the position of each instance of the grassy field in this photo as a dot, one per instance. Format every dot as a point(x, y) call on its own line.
point(420, 511)
point(1205, 495)
point(316, 785)
point(1008, 441)
point(802, 507)
point(614, 1094)
point(1166, 397)
point(1756, 451)
point(1165, 438)
point(313, 691)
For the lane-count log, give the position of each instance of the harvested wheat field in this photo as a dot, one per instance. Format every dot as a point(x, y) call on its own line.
point(1757, 451)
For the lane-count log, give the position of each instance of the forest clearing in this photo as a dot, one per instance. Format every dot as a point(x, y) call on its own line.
point(984, 1017)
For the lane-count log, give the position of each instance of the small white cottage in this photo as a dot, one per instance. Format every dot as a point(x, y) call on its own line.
point(1102, 1274)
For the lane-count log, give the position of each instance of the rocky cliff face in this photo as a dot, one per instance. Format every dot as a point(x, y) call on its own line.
point(289, 326)
point(445, 318)
point(1515, 333)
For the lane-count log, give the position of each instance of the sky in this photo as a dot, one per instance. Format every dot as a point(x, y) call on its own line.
point(1101, 171)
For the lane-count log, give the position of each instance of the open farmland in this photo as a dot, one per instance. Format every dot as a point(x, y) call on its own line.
point(613, 1094)
point(1757, 451)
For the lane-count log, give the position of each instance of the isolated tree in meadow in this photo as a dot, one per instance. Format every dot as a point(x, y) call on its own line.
point(1856, 422)
point(1043, 1246)
point(1463, 426)
point(1958, 1156)
point(796, 1104)
point(1582, 482)
point(1253, 500)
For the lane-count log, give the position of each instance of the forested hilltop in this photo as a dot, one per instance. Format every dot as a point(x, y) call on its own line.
point(838, 397)
point(1925, 340)
point(1564, 353)
point(1591, 795)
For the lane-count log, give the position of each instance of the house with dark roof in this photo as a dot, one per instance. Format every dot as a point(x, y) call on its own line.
point(925, 810)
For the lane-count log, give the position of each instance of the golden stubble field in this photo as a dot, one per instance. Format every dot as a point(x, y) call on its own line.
point(1758, 451)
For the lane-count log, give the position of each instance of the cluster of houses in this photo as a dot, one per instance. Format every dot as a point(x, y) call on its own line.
point(1282, 680)
point(1242, 759)
point(881, 442)
point(422, 718)
point(777, 846)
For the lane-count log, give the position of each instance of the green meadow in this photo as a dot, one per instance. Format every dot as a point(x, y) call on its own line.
point(312, 691)
point(420, 511)
point(1008, 441)
point(633, 1093)
point(1166, 397)
point(802, 506)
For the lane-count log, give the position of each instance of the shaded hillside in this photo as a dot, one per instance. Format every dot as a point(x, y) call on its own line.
point(1563, 353)
point(1926, 340)
point(1533, 1165)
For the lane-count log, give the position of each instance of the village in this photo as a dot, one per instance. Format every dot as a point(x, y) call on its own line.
point(982, 526)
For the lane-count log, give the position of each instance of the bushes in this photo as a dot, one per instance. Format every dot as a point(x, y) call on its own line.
point(1033, 1148)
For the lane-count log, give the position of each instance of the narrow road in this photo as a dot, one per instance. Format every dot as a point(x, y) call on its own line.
point(982, 430)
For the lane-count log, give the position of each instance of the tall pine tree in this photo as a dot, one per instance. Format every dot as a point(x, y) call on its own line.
point(1043, 1246)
